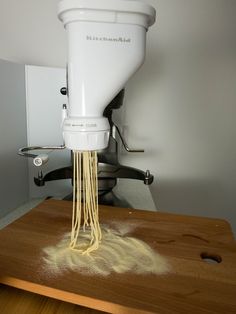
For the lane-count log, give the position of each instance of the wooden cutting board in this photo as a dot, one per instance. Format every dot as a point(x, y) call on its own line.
point(192, 285)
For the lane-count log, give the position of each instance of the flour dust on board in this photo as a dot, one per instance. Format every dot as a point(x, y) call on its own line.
point(116, 253)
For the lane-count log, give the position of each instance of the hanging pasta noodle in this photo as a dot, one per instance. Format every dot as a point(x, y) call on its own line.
point(85, 183)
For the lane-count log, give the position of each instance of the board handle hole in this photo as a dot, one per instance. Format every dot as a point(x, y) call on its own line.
point(211, 258)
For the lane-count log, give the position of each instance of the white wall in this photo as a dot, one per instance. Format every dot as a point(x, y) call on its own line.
point(180, 106)
point(30, 32)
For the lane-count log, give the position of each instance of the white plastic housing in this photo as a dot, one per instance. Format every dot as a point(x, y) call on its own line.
point(106, 46)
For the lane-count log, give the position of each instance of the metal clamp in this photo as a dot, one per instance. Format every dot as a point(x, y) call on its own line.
point(24, 150)
point(40, 159)
point(116, 129)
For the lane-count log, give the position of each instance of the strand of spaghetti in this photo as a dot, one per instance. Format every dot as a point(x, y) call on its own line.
point(74, 217)
point(95, 209)
point(85, 162)
point(93, 186)
point(76, 220)
point(94, 240)
point(88, 162)
point(86, 187)
point(96, 193)
point(78, 205)
point(93, 200)
point(94, 167)
point(84, 203)
point(73, 210)
point(79, 194)
point(80, 180)
point(74, 199)
point(96, 198)
point(92, 212)
point(89, 197)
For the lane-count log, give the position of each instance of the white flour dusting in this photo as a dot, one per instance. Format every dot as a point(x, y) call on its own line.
point(117, 253)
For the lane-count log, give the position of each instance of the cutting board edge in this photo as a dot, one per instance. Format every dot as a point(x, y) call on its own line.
point(71, 297)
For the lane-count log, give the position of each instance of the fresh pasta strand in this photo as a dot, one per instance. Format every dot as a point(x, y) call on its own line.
point(85, 183)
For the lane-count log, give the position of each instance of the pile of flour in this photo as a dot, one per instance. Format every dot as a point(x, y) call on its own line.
point(117, 253)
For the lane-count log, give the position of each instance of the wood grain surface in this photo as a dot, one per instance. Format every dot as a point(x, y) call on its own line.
point(17, 301)
point(192, 286)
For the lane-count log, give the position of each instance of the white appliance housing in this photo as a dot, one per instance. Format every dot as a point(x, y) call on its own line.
point(106, 46)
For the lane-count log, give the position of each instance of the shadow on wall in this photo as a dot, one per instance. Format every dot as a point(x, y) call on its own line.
point(193, 197)
point(14, 185)
point(13, 135)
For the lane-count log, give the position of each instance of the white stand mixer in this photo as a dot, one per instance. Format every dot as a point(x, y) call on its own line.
point(106, 46)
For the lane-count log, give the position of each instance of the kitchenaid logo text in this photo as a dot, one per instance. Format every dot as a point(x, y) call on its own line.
point(88, 125)
point(112, 39)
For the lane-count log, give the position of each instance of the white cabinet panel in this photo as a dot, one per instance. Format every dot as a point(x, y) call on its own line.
point(13, 168)
point(44, 104)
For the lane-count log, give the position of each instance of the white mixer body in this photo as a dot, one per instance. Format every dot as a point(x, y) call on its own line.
point(106, 46)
